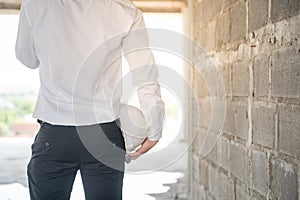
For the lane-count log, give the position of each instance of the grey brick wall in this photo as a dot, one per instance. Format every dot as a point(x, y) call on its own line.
point(256, 46)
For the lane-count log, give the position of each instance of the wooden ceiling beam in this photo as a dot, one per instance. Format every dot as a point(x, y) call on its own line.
point(160, 5)
point(10, 4)
point(144, 5)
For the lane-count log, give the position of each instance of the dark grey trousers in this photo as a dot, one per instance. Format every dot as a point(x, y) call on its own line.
point(58, 152)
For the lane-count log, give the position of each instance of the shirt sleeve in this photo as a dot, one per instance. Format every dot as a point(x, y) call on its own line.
point(24, 48)
point(145, 76)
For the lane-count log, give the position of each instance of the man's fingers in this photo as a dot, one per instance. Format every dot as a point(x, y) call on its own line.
point(146, 146)
point(134, 156)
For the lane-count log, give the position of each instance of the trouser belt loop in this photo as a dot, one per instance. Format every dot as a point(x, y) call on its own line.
point(40, 122)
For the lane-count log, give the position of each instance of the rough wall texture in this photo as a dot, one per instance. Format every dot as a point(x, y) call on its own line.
point(256, 46)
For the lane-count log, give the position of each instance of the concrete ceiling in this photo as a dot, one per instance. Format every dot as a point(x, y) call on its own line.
point(144, 5)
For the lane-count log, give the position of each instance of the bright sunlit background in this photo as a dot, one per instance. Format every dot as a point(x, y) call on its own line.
point(18, 91)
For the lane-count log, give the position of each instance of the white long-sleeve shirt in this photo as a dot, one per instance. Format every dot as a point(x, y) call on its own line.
point(77, 46)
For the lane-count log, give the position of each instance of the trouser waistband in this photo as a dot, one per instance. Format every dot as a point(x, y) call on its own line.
point(41, 122)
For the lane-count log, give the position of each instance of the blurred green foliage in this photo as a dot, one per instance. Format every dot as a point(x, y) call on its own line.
point(19, 106)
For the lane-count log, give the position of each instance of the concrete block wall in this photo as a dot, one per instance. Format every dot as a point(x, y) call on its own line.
point(256, 47)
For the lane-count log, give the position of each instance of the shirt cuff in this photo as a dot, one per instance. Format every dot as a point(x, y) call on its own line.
point(155, 136)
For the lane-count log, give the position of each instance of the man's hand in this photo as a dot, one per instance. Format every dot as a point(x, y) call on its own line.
point(146, 146)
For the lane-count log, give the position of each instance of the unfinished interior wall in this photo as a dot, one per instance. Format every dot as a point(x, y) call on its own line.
point(256, 47)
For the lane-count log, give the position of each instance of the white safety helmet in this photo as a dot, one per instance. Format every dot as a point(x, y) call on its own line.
point(133, 125)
